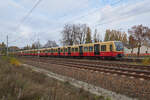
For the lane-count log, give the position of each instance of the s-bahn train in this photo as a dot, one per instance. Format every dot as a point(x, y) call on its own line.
point(110, 49)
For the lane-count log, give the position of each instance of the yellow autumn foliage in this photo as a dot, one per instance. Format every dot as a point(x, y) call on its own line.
point(146, 61)
point(14, 61)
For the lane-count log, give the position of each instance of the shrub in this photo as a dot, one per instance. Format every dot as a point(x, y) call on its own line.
point(11, 60)
point(99, 97)
point(14, 61)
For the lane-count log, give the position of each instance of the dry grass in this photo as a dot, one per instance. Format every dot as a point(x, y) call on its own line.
point(19, 83)
point(146, 61)
point(134, 88)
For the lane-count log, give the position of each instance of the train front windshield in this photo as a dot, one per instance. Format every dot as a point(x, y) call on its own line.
point(119, 46)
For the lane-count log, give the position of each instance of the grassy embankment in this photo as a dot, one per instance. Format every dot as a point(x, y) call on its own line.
point(19, 83)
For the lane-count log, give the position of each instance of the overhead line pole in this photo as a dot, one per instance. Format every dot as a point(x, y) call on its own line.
point(7, 46)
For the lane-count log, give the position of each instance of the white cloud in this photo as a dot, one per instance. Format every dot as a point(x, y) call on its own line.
point(123, 12)
point(50, 16)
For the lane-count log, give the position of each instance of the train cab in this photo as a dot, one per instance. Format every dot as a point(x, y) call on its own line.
point(119, 49)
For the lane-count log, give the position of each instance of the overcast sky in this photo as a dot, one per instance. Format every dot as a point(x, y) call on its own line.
point(48, 18)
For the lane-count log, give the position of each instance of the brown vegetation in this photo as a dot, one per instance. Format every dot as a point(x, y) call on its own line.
point(124, 85)
point(19, 83)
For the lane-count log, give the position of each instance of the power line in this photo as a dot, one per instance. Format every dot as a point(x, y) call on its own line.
point(27, 15)
point(120, 18)
point(90, 12)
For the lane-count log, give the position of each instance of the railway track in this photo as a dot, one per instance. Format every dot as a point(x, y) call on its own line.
point(133, 71)
point(103, 62)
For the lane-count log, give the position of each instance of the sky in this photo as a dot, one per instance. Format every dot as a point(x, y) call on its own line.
point(49, 17)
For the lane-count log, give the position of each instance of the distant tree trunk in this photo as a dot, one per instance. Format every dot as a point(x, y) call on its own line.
point(132, 50)
point(147, 50)
point(139, 47)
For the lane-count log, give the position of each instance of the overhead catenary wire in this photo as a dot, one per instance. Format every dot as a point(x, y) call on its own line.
point(99, 24)
point(78, 17)
point(89, 13)
point(120, 18)
point(25, 17)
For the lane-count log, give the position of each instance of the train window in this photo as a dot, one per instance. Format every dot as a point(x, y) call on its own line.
point(72, 49)
point(66, 50)
point(91, 48)
point(110, 47)
point(119, 46)
point(86, 49)
point(56, 50)
point(76, 49)
point(103, 48)
point(61, 50)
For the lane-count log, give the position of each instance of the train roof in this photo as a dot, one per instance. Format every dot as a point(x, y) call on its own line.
point(88, 44)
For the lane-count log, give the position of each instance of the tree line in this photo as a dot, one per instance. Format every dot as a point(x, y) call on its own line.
point(73, 34)
point(38, 45)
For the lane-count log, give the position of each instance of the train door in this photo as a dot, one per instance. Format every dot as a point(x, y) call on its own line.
point(111, 48)
point(69, 51)
point(81, 50)
point(64, 51)
point(96, 49)
point(59, 51)
point(51, 52)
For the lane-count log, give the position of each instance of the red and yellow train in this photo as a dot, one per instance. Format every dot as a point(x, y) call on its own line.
point(110, 49)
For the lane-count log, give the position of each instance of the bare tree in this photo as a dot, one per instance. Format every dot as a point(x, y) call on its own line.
point(67, 35)
point(132, 43)
point(36, 45)
point(107, 35)
point(81, 31)
point(140, 34)
point(96, 37)
point(74, 34)
point(50, 44)
point(88, 36)
point(114, 35)
point(27, 47)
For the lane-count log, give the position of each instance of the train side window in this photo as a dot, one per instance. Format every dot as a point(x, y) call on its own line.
point(76, 49)
point(66, 50)
point(103, 48)
point(72, 49)
point(61, 50)
point(110, 47)
point(90, 48)
point(86, 49)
